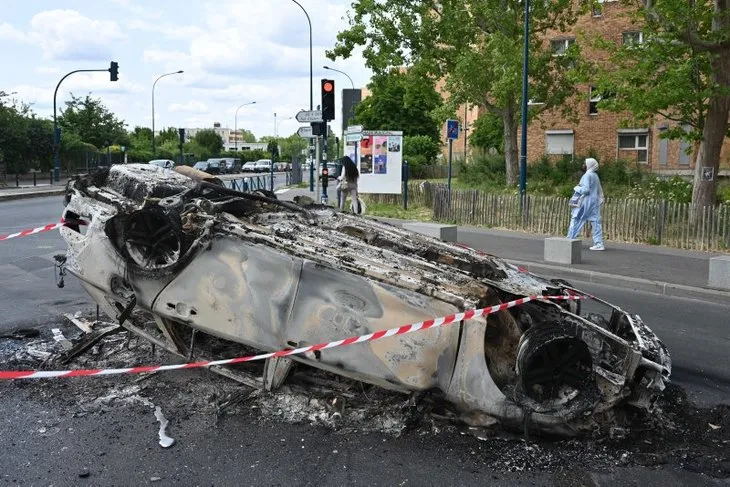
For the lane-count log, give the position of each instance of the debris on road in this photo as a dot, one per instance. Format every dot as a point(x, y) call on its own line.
point(165, 440)
point(675, 434)
point(269, 274)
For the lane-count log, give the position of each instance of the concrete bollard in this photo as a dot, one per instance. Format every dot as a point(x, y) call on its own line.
point(720, 272)
point(446, 233)
point(562, 250)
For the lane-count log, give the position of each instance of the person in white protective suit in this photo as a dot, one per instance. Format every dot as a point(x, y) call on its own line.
point(586, 203)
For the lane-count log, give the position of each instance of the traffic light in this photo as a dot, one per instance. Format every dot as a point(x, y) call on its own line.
point(325, 176)
point(328, 99)
point(114, 71)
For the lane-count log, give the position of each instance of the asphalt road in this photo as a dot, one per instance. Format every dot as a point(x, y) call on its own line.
point(48, 442)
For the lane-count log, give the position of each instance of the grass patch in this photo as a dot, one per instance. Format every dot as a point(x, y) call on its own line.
point(420, 213)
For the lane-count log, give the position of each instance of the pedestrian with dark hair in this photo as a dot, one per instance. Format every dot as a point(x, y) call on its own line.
point(347, 183)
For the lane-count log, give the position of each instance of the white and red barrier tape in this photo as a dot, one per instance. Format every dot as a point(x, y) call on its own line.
point(371, 337)
point(45, 228)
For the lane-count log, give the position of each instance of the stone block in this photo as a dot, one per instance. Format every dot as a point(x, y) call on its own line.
point(562, 250)
point(447, 233)
point(720, 272)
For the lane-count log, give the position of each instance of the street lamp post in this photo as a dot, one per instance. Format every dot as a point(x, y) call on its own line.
point(311, 92)
point(153, 106)
point(235, 124)
point(341, 72)
point(525, 81)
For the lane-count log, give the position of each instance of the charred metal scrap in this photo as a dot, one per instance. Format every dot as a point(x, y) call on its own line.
point(271, 274)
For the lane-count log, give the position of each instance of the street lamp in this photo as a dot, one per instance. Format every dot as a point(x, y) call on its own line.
point(525, 81)
point(235, 123)
point(311, 85)
point(311, 93)
point(153, 106)
point(276, 129)
point(341, 72)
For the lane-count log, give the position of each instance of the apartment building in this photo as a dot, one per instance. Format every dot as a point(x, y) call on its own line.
point(600, 131)
point(232, 140)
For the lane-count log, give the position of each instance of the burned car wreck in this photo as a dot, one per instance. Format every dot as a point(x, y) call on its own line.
point(272, 275)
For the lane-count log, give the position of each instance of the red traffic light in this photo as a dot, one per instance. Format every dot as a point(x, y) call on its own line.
point(328, 86)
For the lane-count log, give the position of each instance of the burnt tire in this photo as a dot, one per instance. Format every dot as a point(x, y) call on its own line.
point(555, 371)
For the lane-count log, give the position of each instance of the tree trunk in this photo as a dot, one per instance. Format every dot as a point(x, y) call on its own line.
point(511, 153)
point(713, 135)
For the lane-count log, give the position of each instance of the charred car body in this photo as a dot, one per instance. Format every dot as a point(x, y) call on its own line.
point(272, 275)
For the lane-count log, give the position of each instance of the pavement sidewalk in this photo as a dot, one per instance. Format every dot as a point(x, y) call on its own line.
point(10, 193)
point(662, 270)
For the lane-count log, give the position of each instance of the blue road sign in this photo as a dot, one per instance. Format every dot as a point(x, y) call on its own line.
point(452, 129)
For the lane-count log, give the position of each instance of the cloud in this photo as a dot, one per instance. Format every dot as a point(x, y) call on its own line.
point(68, 35)
point(139, 10)
point(169, 31)
point(191, 106)
point(161, 56)
point(10, 33)
point(47, 70)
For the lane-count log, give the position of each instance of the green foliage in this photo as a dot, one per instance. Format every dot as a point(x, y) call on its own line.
point(723, 192)
point(170, 134)
point(208, 141)
point(419, 151)
point(673, 189)
point(474, 45)
point(483, 172)
point(292, 146)
point(488, 133)
point(92, 122)
point(401, 101)
point(26, 142)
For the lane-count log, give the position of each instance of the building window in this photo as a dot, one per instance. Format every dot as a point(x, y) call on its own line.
point(559, 142)
point(560, 46)
point(636, 142)
point(633, 38)
point(595, 97)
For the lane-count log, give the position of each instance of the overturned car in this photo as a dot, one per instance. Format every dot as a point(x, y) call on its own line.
point(271, 274)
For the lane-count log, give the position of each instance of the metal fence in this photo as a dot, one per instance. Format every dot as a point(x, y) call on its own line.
point(658, 222)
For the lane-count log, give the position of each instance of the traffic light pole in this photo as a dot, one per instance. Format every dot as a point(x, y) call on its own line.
point(317, 157)
point(56, 131)
point(325, 168)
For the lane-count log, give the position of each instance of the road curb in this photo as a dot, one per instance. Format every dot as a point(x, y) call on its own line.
point(633, 283)
point(36, 194)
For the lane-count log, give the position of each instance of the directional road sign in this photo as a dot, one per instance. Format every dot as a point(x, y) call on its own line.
point(353, 137)
point(354, 129)
point(306, 116)
point(305, 132)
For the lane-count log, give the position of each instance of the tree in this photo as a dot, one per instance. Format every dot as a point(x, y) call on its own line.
point(404, 101)
point(292, 147)
point(209, 140)
point(475, 46)
point(170, 134)
point(678, 70)
point(25, 140)
point(247, 135)
point(488, 133)
point(419, 151)
point(92, 122)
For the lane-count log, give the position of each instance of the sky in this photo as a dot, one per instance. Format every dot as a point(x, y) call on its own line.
point(232, 52)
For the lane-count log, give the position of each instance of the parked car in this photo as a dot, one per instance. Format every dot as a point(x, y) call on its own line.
point(163, 163)
point(211, 166)
point(249, 167)
point(263, 165)
point(232, 165)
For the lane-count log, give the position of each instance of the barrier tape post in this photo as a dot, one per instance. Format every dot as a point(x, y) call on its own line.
point(370, 337)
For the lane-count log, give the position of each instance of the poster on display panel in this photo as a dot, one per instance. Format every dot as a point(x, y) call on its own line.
point(379, 158)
